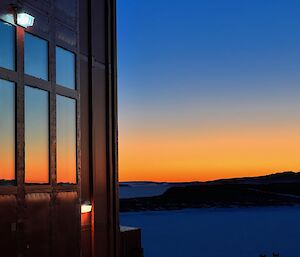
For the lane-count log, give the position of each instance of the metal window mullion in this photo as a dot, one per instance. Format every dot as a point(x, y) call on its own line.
point(20, 138)
point(52, 115)
point(52, 125)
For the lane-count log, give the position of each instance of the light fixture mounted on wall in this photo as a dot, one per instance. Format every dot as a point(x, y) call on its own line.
point(16, 15)
point(24, 20)
point(86, 207)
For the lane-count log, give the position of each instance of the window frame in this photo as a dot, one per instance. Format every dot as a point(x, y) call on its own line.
point(21, 80)
point(13, 77)
point(75, 95)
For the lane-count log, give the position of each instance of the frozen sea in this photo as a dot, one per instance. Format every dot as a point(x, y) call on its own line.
point(217, 232)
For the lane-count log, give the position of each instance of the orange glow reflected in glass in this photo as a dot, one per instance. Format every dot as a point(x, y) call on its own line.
point(66, 140)
point(36, 136)
point(7, 131)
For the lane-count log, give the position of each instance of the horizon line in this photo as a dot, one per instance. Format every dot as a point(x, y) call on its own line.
point(204, 181)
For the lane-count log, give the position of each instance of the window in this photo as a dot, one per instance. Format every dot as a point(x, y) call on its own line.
point(66, 140)
point(37, 111)
point(7, 46)
point(36, 56)
point(65, 68)
point(36, 136)
point(7, 131)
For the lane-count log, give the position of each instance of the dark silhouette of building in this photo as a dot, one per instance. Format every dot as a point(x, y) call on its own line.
point(58, 126)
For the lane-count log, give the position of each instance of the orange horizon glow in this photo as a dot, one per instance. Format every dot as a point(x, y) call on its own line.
point(239, 152)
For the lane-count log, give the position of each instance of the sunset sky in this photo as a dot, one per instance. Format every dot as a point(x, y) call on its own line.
point(208, 89)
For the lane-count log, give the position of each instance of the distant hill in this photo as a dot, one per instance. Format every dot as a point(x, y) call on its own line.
point(281, 177)
point(270, 190)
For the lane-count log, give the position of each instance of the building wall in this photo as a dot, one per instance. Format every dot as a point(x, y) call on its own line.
point(98, 99)
point(45, 220)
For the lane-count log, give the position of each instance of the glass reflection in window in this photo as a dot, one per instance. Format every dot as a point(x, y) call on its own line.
point(36, 56)
point(7, 131)
point(66, 140)
point(65, 68)
point(36, 136)
point(7, 46)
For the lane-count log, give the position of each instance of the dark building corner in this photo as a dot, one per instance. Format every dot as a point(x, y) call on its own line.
point(59, 190)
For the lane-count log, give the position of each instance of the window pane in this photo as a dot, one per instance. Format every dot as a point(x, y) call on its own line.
point(36, 56)
point(36, 136)
point(66, 140)
point(65, 68)
point(7, 131)
point(7, 46)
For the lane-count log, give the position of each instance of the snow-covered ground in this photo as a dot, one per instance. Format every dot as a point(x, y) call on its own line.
point(238, 232)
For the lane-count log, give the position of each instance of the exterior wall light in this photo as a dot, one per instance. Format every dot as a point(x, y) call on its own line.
point(86, 207)
point(25, 20)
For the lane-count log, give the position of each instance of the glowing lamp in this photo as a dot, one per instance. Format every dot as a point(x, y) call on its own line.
point(25, 20)
point(86, 207)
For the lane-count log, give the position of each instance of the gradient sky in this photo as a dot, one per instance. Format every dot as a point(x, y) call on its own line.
point(208, 88)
